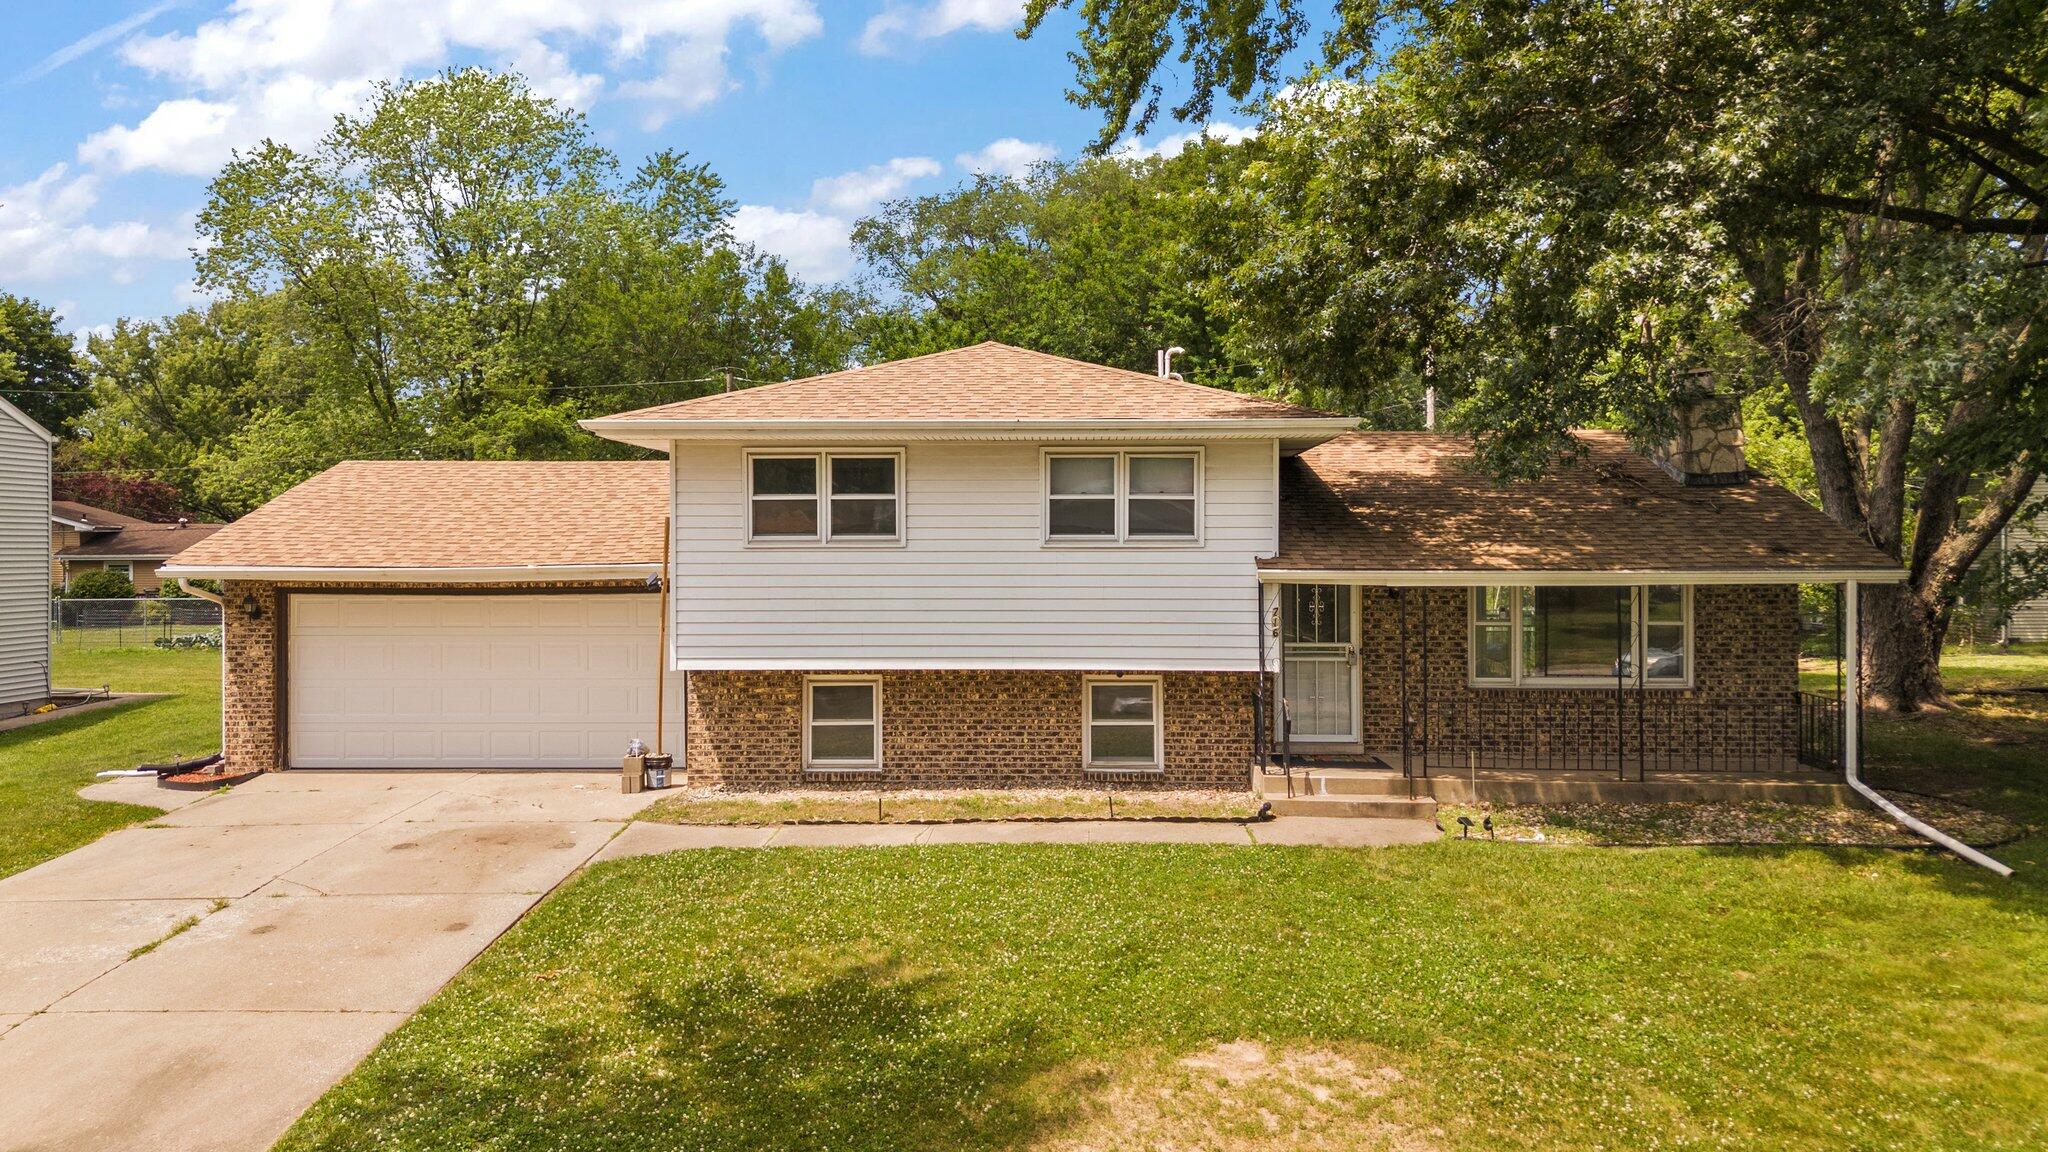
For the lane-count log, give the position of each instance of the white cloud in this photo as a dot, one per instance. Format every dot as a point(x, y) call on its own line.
point(44, 233)
point(94, 41)
point(897, 23)
point(1169, 146)
point(855, 192)
point(284, 68)
point(814, 244)
point(1009, 157)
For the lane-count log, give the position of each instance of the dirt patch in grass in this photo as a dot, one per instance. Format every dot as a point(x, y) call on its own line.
point(1649, 825)
point(1248, 1097)
point(712, 806)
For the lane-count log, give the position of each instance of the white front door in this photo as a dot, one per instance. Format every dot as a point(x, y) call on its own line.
point(521, 680)
point(1319, 660)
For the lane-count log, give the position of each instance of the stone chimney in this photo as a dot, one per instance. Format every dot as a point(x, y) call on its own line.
point(1706, 449)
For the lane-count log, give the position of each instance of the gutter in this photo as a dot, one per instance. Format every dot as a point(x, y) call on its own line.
point(185, 586)
point(1419, 578)
point(423, 575)
point(1852, 742)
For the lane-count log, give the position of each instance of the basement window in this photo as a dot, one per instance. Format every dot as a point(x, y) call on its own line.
point(1122, 731)
point(842, 724)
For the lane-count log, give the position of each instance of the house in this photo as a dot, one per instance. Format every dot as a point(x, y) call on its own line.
point(24, 559)
point(995, 566)
point(88, 539)
point(2028, 620)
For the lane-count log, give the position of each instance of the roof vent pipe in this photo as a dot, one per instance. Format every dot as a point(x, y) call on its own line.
point(1162, 362)
point(1706, 448)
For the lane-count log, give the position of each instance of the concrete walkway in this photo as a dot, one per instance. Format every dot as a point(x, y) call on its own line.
point(198, 982)
point(317, 910)
point(648, 839)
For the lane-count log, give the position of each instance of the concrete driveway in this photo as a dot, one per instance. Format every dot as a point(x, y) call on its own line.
point(295, 922)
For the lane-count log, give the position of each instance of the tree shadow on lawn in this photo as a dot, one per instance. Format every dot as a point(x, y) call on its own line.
point(2025, 891)
point(869, 1055)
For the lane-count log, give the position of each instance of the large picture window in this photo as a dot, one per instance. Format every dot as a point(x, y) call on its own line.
point(825, 497)
point(1581, 635)
point(1131, 497)
point(1122, 730)
point(842, 724)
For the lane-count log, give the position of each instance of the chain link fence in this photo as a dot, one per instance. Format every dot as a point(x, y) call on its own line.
point(138, 622)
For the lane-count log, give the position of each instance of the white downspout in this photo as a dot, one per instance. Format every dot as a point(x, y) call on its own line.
point(1852, 750)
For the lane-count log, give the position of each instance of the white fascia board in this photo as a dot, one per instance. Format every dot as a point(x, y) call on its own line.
point(537, 573)
point(960, 664)
point(68, 554)
point(659, 434)
point(1418, 579)
point(79, 525)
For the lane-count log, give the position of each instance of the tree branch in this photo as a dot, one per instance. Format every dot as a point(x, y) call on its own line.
point(1947, 221)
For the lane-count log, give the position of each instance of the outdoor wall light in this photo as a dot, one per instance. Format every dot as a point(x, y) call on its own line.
point(251, 607)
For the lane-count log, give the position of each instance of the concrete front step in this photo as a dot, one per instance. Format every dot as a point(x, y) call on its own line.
point(1370, 807)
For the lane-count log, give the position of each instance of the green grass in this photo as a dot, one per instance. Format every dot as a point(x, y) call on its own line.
point(1458, 995)
point(42, 767)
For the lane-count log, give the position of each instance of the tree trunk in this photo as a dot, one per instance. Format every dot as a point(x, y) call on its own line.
point(1901, 649)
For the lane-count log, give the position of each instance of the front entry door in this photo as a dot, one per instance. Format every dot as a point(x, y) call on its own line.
point(1319, 661)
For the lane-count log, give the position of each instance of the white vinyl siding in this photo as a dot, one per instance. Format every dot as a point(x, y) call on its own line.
point(24, 563)
point(973, 584)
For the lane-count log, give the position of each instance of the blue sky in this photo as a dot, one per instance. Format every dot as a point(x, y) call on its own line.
point(116, 113)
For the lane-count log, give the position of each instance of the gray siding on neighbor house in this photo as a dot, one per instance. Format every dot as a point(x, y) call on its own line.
point(2030, 620)
point(24, 559)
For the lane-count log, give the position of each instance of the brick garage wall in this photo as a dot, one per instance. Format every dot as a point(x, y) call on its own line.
point(1741, 711)
point(963, 729)
point(251, 735)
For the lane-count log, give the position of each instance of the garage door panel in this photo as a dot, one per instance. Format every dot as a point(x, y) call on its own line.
point(515, 680)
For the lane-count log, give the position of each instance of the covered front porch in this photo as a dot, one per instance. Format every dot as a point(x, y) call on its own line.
point(1581, 687)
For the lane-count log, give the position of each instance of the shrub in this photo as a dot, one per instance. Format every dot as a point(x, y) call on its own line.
point(101, 585)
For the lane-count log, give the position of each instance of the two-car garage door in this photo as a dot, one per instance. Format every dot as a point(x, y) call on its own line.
point(470, 681)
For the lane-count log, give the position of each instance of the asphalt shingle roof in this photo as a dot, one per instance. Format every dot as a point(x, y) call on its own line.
point(1410, 501)
point(988, 381)
point(453, 514)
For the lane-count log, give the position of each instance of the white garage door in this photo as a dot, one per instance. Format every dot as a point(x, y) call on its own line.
point(476, 681)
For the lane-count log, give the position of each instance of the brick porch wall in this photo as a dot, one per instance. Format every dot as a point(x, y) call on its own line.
point(963, 729)
point(250, 701)
point(1742, 704)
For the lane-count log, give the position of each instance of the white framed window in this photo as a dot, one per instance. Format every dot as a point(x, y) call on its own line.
point(1123, 496)
point(1581, 635)
point(842, 723)
point(1121, 727)
point(849, 497)
point(125, 569)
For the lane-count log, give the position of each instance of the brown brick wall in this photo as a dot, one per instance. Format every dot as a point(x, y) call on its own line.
point(963, 729)
point(1742, 705)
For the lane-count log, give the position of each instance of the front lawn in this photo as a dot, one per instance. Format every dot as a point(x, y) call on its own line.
point(43, 766)
point(1456, 995)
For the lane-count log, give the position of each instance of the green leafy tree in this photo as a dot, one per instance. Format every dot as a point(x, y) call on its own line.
point(39, 373)
point(1104, 259)
point(1552, 211)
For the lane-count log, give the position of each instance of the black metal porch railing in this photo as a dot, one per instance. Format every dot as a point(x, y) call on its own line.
point(1629, 735)
point(1820, 731)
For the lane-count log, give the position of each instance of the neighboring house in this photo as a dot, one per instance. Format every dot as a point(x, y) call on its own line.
point(88, 539)
point(995, 566)
point(2029, 619)
point(24, 559)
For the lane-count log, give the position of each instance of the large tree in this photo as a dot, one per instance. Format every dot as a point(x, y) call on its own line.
point(1103, 259)
point(456, 271)
point(38, 372)
point(1553, 209)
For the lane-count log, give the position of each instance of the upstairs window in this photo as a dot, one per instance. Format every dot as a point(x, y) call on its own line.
point(825, 497)
point(1133, 497)
point(1582, 635)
